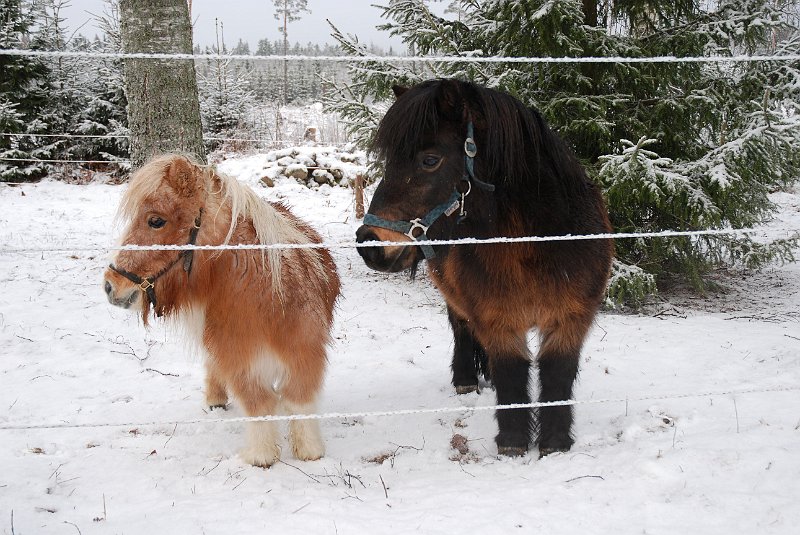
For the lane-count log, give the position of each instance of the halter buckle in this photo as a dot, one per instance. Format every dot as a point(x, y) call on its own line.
point(146, 284)
point(470, 148)
point(416, 224)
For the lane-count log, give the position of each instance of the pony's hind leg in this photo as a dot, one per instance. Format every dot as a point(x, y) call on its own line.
point(558, 368)
point(305, 437)
point(469, 358)
point(216, 394)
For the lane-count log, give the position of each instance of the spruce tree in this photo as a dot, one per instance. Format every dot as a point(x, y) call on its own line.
point(99, 88)
point(24, 86)
point(63, 102)
point(225, 94)
point(675, 146)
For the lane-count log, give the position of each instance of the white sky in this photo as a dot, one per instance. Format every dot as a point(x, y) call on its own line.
point(253, 20)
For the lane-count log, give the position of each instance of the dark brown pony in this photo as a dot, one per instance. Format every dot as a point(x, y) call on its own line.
point(263, 318)
point(465, 161)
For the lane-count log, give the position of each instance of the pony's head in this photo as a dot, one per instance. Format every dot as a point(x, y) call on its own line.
point(445, 145)
point(163, 205)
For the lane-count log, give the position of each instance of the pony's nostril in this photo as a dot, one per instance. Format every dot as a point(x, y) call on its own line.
point(364, 233)
point(108, 288)
point(372, 255)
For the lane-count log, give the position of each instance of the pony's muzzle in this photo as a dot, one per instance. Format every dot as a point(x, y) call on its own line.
point(384, 258)
point(123, 297)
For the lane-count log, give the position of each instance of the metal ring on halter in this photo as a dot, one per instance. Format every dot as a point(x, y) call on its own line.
point(469, 188)
point(416, 224)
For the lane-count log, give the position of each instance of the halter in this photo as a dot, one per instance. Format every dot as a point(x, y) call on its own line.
point(148, 284)
point(447, 208)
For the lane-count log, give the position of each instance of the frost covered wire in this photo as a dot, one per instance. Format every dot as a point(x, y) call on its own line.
point(353, 245)
point(124, 136)
point(404, 412)
point(76, 136)
point(401, 59)
point(38, 160)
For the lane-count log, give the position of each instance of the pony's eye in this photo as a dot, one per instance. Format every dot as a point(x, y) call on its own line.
point(156, 222)
point(430, 161)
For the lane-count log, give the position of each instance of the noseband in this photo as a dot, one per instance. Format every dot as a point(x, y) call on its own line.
point(148, 284)
point(447, 208)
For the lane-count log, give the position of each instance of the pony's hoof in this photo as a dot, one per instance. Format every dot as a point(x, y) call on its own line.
point(223, 406)
point(512, 451)
point(544, 452)
point(308, 452)
point(306, 440)
point(263, 457)
point(466, 389)
point(554, 444)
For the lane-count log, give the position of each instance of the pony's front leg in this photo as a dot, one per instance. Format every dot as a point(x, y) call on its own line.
point(468, 356)
point(262, 447)
point(510, 378)
point(556, 376)
point(558, 367)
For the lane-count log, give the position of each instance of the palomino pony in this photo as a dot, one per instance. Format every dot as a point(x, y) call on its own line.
point(463, 161)
point(263, 318)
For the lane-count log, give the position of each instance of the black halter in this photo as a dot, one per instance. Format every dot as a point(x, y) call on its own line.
point(148, 284)
point(447, 208)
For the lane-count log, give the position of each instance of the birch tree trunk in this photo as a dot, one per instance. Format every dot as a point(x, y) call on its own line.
point(163, 104)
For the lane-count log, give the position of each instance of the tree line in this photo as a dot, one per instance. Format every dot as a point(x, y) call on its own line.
point(41, 96)
point(674, 146)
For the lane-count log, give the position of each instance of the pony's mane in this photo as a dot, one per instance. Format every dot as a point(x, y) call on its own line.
point(144, 183)
point(511, 138)
point(269, 224)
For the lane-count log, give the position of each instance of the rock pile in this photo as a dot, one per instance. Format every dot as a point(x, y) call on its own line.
point(314, 166)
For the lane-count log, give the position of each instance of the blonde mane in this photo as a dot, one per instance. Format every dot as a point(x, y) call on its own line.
point(271, 226)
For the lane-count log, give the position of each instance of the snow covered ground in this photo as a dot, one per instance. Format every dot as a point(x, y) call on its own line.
point(685, 463)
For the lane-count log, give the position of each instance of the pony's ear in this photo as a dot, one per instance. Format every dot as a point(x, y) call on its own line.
point(181, 176)
point(450, 99)
point(399, 90)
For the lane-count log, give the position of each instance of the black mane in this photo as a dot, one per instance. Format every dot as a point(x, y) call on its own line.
point(516, 148)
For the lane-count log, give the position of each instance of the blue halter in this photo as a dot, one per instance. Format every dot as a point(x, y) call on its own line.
point(447, 208)
point(409, 227)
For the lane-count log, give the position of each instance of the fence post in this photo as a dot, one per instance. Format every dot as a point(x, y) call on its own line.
point(359, 191)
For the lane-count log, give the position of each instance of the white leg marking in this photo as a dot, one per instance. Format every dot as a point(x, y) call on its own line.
point(304, 435)
point(262, 444)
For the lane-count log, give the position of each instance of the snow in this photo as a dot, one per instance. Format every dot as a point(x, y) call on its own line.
point(722, 463)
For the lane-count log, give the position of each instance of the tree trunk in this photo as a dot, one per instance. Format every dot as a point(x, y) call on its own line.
point(163, 104)
point(359, 191)
point(590, 12)
point(285, 52)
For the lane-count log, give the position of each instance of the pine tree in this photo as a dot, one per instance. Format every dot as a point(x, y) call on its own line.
point(24, 86)
point(63, 101)
point(225, 93)
point(264, 48)
point(105, 111)
point(681, 146)
point(287, 11)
